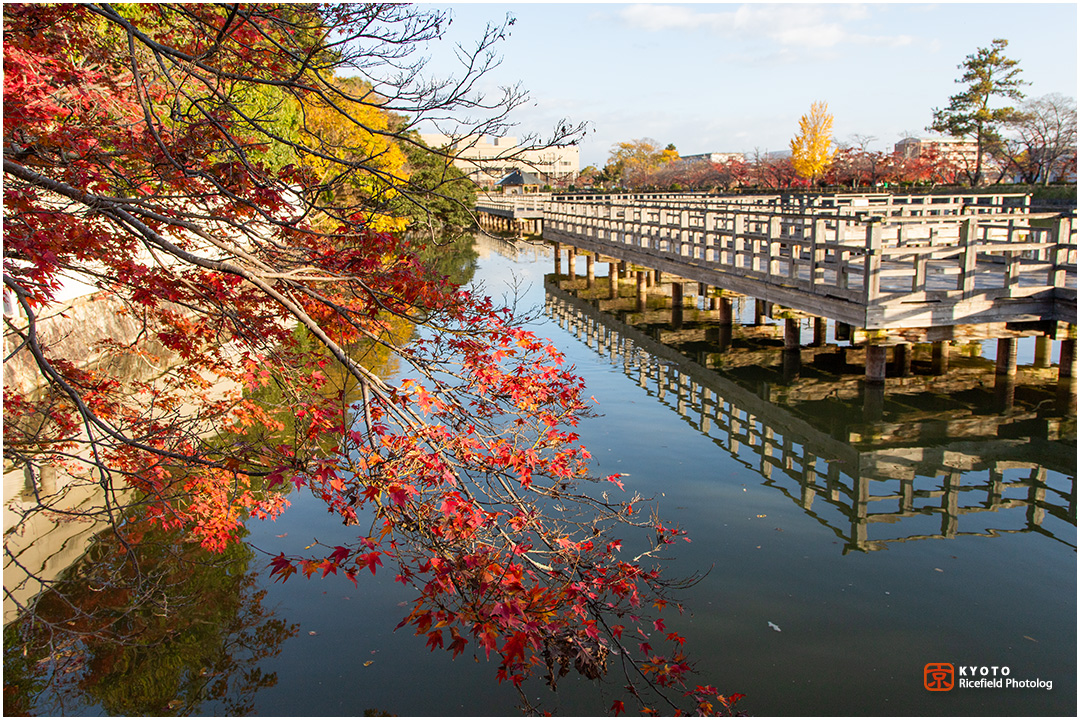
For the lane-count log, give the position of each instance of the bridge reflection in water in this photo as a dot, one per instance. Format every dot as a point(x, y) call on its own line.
point(940, 449)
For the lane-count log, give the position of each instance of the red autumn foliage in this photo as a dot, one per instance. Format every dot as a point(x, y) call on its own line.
point(139, 158)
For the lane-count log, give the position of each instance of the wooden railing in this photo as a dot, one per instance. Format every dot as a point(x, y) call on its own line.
point(843, 252)
point(863, 204)
point(533, 202)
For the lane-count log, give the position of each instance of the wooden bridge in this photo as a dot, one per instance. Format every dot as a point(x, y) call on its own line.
point(872, 483)
point(900, 269)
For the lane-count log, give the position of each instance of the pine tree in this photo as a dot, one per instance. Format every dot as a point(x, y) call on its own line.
point(987, 74)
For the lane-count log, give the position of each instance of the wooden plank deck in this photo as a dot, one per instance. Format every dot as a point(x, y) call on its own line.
point(876, 271)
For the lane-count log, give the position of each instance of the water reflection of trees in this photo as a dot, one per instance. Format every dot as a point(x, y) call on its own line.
point(144, 624)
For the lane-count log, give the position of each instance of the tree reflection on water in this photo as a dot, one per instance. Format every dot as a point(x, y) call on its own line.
point(145, 624)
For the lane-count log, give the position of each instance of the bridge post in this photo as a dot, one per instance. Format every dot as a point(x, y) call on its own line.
point(558, 260)
point(902, 359)
point(1043, 347)
point(875, 364)
point(969, 256)
point(939, 359)
point(1061, 237)
point(792, 333)
point(1005, 374)
point(762, 309)
point(1006, 357)
point(642, 290)
point(677, 305)
point(571, 275)
point(1067, 370)
point(590, 271)
point(817, 253)
point(872, 273)
point(819, 331)
point(724, 306)
point(613, 281)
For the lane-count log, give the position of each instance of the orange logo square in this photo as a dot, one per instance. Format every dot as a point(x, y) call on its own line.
point(938, 676)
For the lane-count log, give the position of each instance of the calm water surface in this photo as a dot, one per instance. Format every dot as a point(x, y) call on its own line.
point(857, 626)
point(799, 526)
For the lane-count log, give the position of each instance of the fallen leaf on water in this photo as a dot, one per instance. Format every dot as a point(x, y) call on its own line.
point(939, 569)
point(1027, 637)
point(774, 626)
point(368, 662)
point(761, 516)
point(283, 535)
point(312, 632)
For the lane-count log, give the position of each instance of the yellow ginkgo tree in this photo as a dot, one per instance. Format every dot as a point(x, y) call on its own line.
point(812, 149)
point(355, 127)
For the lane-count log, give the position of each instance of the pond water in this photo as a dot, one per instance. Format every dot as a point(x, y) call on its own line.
point(842, 555)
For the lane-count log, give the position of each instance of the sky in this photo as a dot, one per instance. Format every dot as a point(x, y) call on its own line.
point(737, 77)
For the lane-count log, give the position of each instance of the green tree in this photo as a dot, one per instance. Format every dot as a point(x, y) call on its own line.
point(812, 148)
point(442, 193)
point(988, 74)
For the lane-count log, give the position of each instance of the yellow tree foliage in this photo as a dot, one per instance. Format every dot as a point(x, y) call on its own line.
point(629, 158)
point(812, 149)
point(355, 127)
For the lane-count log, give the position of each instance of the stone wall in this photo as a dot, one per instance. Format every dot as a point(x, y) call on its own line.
point(74, 331)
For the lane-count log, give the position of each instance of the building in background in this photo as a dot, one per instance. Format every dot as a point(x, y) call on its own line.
point(716, 157)
point(487, 159)
point(962, 152)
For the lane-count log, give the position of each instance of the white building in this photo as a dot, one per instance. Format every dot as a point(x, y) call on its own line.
point(487, 159)
point(716, 157)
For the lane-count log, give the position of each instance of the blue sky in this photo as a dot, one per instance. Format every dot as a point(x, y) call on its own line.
point(735, 78)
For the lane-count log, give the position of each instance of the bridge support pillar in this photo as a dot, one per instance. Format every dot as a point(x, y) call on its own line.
point(792, 333)
point(642, 289)
point(613, 280)
point(590, 270)
point(902, 359)
point(677, 305)
point(1067, 373)
point(760, 311)
point(875, 364)
point(570, 258)
point(820, 325)
point(1006, 357)
point(658, 277)
point(723, 304)
point(558, 260)
point(1067, 361)
point(939, 358)
point(842, 331)
point(1043, 349)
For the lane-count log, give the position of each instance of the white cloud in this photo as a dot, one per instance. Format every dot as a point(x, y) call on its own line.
point(790, 26)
